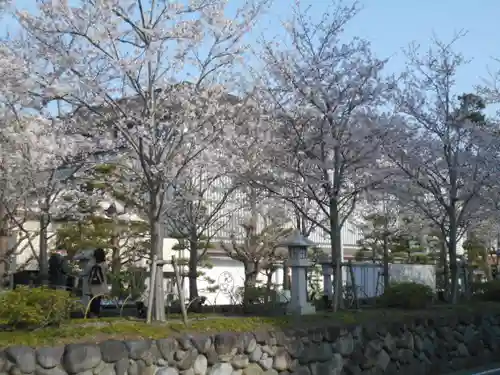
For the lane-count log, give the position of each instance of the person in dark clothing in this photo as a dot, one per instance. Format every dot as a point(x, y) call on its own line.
point(58, 270)
point(97, 285)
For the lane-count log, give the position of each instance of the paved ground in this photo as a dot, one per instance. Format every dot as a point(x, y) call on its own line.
point(486, 372)
point(489, 370)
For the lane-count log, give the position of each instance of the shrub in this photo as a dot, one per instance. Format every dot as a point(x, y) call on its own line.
point(488, 291)
point(407, 295)
point(257, 295)
point(35, 307)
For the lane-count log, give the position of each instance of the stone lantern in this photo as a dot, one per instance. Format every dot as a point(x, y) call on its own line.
point(298, 262)
point(327, 270)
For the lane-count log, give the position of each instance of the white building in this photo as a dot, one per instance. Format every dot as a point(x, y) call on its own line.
point(227, 273)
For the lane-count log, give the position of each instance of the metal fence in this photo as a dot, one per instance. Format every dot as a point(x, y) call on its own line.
point(368, 279)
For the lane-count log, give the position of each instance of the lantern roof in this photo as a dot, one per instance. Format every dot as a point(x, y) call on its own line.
point(296, 239)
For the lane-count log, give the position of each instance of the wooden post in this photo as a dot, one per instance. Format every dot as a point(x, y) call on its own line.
point(180, 291)
point(152, 284)
point(353, 283)
point(158, 288)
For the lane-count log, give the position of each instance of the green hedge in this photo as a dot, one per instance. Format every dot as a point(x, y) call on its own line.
point(407, 295)
point(35, 307)
point(488, 291)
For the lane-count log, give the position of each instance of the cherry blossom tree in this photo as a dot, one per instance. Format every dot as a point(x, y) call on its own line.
point(40, 153)
point(8, 195)
point(325, 97)
point(149, 78)
point(202, 203)
point(13, 81)
point(264, 227)
point(489, 92)
point(47, 159)
point(25, 146)
point(444, 147)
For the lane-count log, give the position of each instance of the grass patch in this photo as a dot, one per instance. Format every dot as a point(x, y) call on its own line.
point(93, 330)
point(114, 328)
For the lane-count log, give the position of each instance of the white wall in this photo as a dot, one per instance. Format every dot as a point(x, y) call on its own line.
point(227, 293)
point(417, 273)
point(369, 280)
point(27, 244)
point(229, 276)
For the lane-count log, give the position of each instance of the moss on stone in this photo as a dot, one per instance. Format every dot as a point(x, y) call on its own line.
point(115, 328)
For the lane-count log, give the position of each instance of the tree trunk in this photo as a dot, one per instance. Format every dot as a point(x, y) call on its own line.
point(452, 251)
point(4, 243)
point(486, 266)
point(116, 265)
point(286, 278)
point(444, 265)
point(193, 268)
point(454, 273)
point(386, 260)
point(269, 284)
point(251, 268)
point(454, 280)
point(336, 249)
point(158, 305)
point(251, 272)
point(453, 227)
point(385, 246)
point(43, 257)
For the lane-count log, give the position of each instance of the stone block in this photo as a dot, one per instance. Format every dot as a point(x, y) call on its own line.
point(418, 347)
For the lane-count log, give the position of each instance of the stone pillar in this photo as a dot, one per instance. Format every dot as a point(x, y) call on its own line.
point(299, 292)
point(286, 277)
point(327, 280)
point(278, 276)
point(298, 262)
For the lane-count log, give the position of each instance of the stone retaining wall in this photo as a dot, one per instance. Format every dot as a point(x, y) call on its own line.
point(423, 346)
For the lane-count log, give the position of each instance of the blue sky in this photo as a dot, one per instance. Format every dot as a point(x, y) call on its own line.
point(391, 24)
